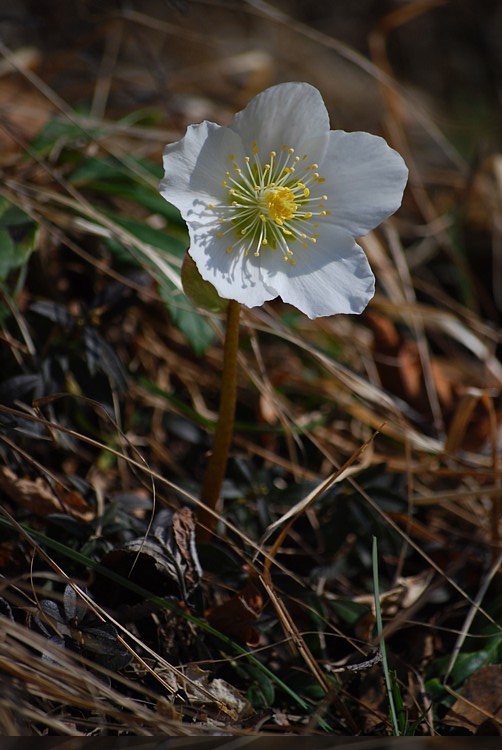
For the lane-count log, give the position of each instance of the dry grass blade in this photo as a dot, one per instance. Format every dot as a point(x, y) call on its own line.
point(347, 470)
point(382, 425)
point(34, 667)
point(473, 611)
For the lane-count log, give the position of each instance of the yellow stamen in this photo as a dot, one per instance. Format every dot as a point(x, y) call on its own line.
point(280, 204)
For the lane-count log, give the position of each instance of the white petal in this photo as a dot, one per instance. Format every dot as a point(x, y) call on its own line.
point(234, 275)
point(365, 180)
point(289, 113)
point(328, 278)
point(195, 166)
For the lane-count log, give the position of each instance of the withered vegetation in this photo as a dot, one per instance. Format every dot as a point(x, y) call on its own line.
point(385, 427)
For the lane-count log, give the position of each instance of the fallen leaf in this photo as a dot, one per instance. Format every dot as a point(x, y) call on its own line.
point(215, 696)
point(38, 497)
point(237, 616)
point(164, 562)
point(481, 700)
point(400, 367)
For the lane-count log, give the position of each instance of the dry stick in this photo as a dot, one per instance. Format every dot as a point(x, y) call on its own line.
point(292, 517)
point(194, 500)
point(217, 463)
point(473, 610)
point(496, 501)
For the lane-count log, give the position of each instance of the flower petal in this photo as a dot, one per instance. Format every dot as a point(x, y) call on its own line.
point(234, 275)
point(289, 113)
point(195, 166)
point(344, 185)
point(327, 279)
point(365, 180)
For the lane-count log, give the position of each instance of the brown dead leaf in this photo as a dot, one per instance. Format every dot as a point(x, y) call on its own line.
point(400, 368)
point(13, 558)
point(481, 701)
point(238, 615)
point(405, 594)
point(165, 562)
point(38, 497)
point(24, 112)
point(184, 538)
point(215, 696)
point(469, 411)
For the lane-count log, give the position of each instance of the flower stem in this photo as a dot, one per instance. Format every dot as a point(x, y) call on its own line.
point(217, 464)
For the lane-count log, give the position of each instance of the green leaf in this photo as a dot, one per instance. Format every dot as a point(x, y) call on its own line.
point(174, 246)
point(97, 173)
point(466, 665)
point(401, 712)
point(201, 292)
point(17, 238)
point(185, 317)
point(185, 409)
point(306, 686)
point(7, 253)
point(112, 177)
point(349, 612)
point(62, 132)
point(261, 693)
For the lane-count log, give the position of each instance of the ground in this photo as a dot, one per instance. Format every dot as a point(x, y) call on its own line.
point(352, 583)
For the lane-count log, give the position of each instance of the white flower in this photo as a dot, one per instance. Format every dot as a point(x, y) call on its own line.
point(274, 201)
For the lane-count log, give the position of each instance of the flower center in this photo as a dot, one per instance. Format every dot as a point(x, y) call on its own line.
point(280, 204)
point(273, 205)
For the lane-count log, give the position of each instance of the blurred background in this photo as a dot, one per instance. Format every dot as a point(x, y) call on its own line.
point(427, 74)
point(186, 57)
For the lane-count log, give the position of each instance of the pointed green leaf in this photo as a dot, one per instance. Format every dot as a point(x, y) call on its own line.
point(201, 292)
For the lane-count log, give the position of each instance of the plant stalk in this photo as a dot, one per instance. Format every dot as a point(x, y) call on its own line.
point(217, 463)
